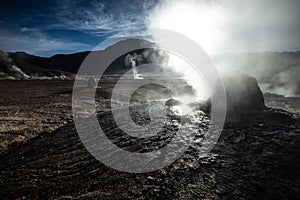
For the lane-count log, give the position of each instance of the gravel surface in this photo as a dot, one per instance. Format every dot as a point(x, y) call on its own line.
point(256, 159)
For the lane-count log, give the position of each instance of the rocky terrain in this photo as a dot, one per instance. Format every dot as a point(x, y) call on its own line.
point(43, 157)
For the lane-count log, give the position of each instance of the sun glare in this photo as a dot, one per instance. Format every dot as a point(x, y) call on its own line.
point(202, 22)
point(184, 107)
point(181, 110)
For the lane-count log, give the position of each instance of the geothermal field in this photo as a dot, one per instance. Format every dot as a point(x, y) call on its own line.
point(256, 156)
point(150, 99)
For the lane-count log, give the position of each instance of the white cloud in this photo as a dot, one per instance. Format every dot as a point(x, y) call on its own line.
point(98, 19)
point(24, 29)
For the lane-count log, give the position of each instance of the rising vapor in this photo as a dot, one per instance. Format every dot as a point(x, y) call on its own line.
point(224, 27)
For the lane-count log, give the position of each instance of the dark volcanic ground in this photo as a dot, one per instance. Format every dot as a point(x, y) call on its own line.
point(257, 159)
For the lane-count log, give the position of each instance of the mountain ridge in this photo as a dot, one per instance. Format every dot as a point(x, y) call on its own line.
point(276, 72)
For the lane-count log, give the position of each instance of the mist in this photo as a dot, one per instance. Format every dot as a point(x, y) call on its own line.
point(229, 30)
point(224, 26)
point(275, 72)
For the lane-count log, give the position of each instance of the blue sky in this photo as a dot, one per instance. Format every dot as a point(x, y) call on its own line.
point(50, 27)
point(47, 27)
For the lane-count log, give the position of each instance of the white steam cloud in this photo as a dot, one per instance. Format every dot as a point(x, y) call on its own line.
point(225, 26)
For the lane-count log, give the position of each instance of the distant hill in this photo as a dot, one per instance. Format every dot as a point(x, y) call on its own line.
point(276, 72)
point(61, 64)
point(21, 65)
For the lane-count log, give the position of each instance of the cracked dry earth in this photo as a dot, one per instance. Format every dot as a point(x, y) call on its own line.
point(256, 159)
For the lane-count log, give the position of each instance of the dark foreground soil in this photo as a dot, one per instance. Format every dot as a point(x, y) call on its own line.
point(258, 159)
point(28, 108)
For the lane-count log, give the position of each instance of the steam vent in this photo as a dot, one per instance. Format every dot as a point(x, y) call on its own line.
point(243, 95)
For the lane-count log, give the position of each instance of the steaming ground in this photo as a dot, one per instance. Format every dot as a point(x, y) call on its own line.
point(277, 73)
point(42, 155)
